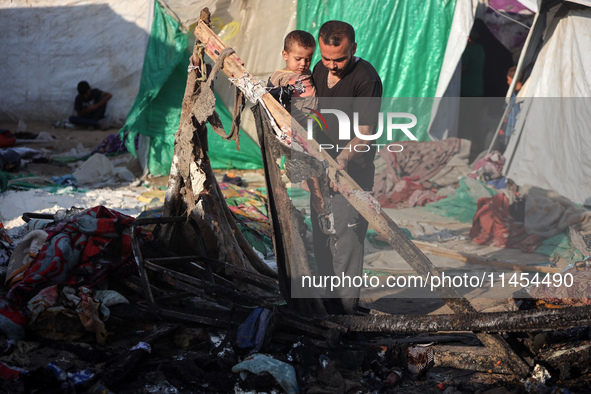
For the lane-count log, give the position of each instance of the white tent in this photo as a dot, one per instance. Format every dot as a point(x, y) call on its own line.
point(551, 143)
point(49, 46)
point(446, 108)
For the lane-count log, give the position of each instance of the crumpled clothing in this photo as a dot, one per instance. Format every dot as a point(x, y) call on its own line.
point(493, 224)
point(66, 180)
point(418, 160)
point(557, 290)
point(282, 372)
point(89, 312)
point(420, 198)
point(489, 167)
point(4, 235)
point(19, 356)
point(8, 372)
point(409, 192)
point(548, 213)
point(80, 252)
point(251, 333)
point(46, 298)
point(112, 144)
point(24, 254)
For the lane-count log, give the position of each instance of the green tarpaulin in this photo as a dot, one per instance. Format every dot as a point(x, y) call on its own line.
point(156, 110)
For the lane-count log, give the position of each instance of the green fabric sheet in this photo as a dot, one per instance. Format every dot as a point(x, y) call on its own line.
point(404, 40)
point(156, 110)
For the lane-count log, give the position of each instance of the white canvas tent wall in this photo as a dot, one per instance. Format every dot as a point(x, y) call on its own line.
point(48, 46)
point(551, 144)
point(445, 113)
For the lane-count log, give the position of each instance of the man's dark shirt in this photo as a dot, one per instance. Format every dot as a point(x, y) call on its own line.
point(361, 80)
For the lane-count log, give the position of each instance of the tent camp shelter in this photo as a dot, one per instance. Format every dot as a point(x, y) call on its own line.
point(408, 62)
point(551, 143)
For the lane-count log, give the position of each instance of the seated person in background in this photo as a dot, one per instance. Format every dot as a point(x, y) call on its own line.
point(90, 106)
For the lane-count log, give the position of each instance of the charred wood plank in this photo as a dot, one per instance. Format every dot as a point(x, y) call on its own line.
point(199, 287)
point(232, 271)
point(571, 359)
point(471, 358)
point(192, 189)
point(516, 321)
point(290, 251)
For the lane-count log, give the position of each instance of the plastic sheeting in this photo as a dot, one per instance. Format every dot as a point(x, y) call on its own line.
point(48, 46)
point(551, 145)
point(157, 108)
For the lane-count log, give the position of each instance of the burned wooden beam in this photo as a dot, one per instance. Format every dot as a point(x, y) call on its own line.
point(290, 250)
point(515, 321)
point(197, 286)
point(471, 358)
point(571, 359)
point(246, 276)
point(192, 188)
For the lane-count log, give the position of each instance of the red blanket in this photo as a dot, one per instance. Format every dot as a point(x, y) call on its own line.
point(78, 252)
point(493, 224)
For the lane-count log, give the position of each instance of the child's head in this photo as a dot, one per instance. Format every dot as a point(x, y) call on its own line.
point(511, 75)
point(298, 49)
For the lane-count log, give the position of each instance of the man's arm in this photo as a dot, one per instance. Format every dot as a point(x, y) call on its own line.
point(106, 96)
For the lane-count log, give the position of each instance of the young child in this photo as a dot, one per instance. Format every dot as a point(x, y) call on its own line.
point(514, 107)
point(295, 80)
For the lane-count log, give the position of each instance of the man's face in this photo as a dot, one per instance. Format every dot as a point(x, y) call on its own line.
point(337, 58)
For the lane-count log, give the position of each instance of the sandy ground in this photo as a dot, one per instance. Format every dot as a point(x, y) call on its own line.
point(117, 195)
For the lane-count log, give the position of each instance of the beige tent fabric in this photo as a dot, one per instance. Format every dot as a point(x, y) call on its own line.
point(48, 46)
